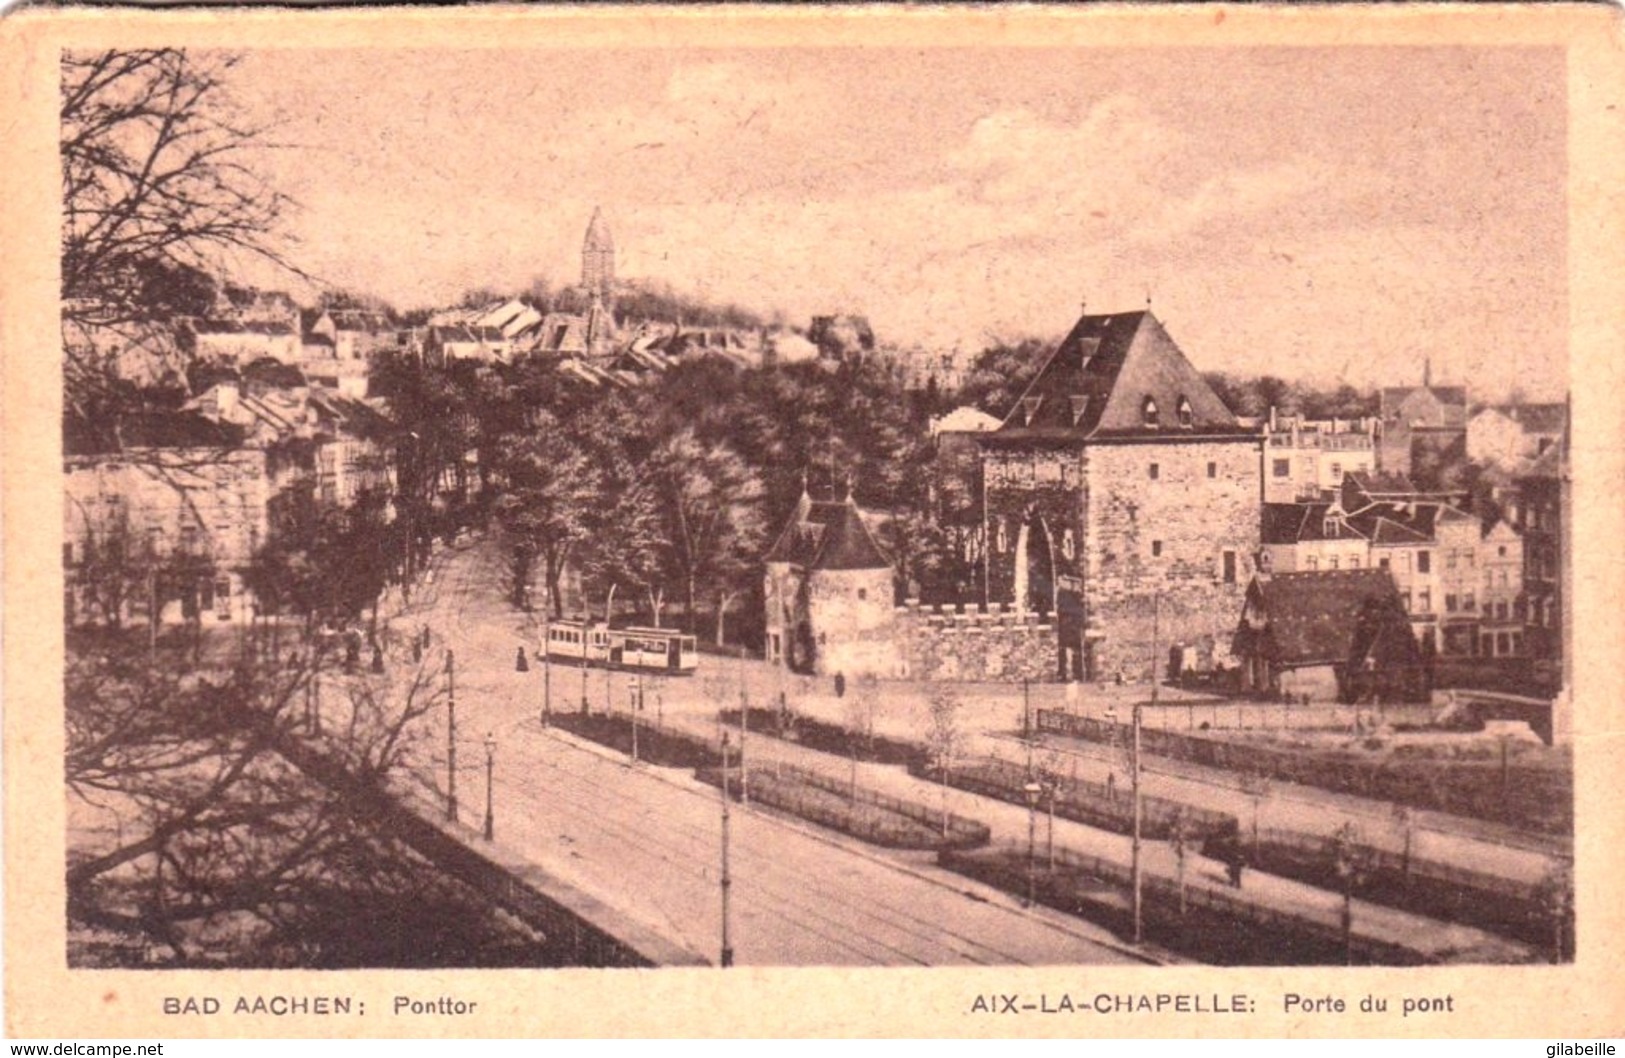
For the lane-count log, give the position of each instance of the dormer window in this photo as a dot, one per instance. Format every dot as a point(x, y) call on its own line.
point(1148, 412)
point(1079, 406)
point(1029, 408)
point(1187, 418)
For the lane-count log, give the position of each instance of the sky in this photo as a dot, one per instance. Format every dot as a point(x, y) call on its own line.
point(1321, 214)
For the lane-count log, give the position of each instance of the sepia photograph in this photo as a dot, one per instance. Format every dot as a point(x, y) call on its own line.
point(536, 504)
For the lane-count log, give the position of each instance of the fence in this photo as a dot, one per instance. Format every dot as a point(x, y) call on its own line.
point(776, 786)
point(1225, 928)
point(1082, 801)
point(1427, 887)
point(824, 736)
point(1537, 798)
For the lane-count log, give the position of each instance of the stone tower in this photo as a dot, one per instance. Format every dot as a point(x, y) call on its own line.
point(598, 257)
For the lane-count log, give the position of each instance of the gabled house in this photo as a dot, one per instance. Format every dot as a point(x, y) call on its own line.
point(1427, 416)
point(1330, 635)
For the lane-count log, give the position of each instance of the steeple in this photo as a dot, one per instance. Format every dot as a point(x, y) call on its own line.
point(598, 256)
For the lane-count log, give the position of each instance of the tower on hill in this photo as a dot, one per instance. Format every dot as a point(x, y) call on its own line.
point(598, 257)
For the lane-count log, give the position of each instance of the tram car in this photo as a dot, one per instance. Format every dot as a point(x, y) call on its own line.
point(634, 649)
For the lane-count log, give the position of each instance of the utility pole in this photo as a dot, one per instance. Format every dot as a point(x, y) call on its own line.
point(451, 737)
point(547, 661)
point(727, 882)
point(1026, 714)
point(744, 729)
point(634, 692)
point(1134, 775)
point(490, 767)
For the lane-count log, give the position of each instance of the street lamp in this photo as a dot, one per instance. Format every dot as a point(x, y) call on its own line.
point(634, 694)
point(490, 764)
point(727, 947)
point(1032, 790)
point(451, 737)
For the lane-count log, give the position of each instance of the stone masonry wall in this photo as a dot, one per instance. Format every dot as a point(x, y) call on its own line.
point(965, 643)
point(1155, 549)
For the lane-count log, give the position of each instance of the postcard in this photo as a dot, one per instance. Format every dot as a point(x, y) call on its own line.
point(735, 521)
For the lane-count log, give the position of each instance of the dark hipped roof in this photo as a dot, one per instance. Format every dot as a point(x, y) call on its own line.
point(848, 544)
point(827, 534)
point(1312, 618)
point(1096, 384)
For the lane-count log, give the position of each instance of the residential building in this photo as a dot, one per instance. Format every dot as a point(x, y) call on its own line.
point(1306, 459)
point(1508, 436)
point(1540, 518)
point(1425, 419)
point(166, 517)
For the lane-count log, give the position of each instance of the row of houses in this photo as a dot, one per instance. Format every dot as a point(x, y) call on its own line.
point(1121, 510)
point(166, 512)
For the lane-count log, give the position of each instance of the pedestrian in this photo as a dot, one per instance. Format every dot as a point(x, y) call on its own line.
point(520, 664)
point(1238, 862)
point(417, 650)
point(840, 684)
point(1111, 786)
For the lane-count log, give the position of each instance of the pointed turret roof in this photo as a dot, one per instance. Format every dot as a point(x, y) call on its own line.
point(848, 544)
point(598, 237)
point(1118, 375)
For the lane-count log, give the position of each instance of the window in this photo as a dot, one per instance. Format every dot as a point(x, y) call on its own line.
point(1229, 567)
point(1282, 468)
point(1503, 643)
point(1501, 610)
point(1405, 597)
point(1155, 471)
point(1501, 550)
point(1337, 472)
point(1449, 603)
point(1156, 549)
point(1213, 470)
point(1312, 562)
point(1148, 411)
point(1029, 407)
point(1424, 562)
point(1187, 418)
point(1424, 600)
point(1468, 603)
point(1382, 562)
point(863, 594)
point(1331, 563)
point(1079, 406)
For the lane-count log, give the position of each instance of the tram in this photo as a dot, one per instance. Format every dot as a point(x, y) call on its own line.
point(666, 650)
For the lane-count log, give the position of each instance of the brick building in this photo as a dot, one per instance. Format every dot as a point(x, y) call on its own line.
point(1121, 494)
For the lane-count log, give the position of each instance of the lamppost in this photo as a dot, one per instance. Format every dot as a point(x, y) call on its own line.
point(490, 765)
point(547, 661)
point(451, 737)
point(1032, 790)
point(727, 882)
point(1402, 817)
point(634, 694)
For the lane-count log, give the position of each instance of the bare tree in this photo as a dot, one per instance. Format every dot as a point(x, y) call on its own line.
point(860, 724)
point(944, 740)
point(226, 846)
point(159, 188)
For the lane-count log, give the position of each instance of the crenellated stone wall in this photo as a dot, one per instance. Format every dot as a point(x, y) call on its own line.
point(968, 643)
